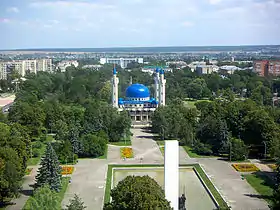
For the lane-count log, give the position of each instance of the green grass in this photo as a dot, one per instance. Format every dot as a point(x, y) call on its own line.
point(191, 103)
point(121, 143)
point(261, 184)
point(35, 160)
point(162, 150)
point(160, 143)
point(65, 182)
point(105, 153)
point(197, 167)
point(192, 154)
point(211, 187)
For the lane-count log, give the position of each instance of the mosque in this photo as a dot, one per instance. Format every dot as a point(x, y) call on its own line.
point(138, 101)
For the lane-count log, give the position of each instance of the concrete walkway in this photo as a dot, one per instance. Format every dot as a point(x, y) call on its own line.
point(237, 192)
point(145, 147)
point(26, 190)
point(88, 182)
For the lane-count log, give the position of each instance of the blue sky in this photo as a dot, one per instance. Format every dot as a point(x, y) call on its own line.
point(121, 23)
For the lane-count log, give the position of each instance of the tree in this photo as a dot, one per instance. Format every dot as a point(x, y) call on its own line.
point(10, 173)
point(136, 192)
point(76, 204)
point(238, 149)
point(44, 199)
point(92, 146)
point(50, 171)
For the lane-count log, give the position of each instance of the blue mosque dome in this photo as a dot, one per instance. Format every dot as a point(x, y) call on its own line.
point(137, 91)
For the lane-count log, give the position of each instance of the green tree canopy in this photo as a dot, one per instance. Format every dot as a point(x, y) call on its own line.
point(136, 192)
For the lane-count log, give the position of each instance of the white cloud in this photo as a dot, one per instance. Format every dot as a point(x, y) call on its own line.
point(12, 9)
point(215, 1)
point(5, 20)
point(187, 24)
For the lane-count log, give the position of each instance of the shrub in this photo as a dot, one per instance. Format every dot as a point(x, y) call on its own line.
point(202, 149)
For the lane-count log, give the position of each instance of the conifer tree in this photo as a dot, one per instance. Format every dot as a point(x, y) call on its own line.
point(76, 204)
point(50, 171)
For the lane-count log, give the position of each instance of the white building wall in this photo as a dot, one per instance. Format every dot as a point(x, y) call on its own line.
point(171, 173)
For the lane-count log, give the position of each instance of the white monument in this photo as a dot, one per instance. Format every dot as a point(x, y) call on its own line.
point(171, 173)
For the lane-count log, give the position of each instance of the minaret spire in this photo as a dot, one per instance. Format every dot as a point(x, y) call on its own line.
point(162, 82)
point(130, 82)
point(115, 82)
point(157, 85)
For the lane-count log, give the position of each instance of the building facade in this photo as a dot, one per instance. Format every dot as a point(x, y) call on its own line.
point(261, 67)
point(121, 61)
point(25, 66)
point(138, 101)
point(265, 68)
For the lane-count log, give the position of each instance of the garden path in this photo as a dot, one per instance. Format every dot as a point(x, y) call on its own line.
point(237, 192)
point(26, 191)
point(88, 182)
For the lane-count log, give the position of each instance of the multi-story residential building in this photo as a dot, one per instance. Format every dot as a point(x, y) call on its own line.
point(265, 68)
point(25, 66)
point(206, 69)
point(274, 68)
point(121, 61)
point(261, 67)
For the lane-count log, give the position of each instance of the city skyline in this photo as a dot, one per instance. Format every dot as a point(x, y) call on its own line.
point(29, 24)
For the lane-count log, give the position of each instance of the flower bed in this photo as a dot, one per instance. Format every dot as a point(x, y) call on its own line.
point(28, 171)
point(272, 166)
point(67, 170)
point(126, 152)
point(245, 167)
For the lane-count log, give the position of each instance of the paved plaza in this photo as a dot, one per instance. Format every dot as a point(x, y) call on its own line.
point(89, 177)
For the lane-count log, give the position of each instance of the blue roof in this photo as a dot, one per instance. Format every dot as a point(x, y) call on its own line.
point(161, 71)
point(151, 101)
point(114, 70)
point(137, 91)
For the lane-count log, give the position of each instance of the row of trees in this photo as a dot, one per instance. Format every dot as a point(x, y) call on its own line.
point(73, 107)
point(14, 151)
point(219, 127)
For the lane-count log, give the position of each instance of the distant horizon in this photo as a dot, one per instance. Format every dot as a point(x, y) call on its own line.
point(194, 47)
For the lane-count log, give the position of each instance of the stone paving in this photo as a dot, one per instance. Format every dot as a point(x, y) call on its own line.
point(89, 177)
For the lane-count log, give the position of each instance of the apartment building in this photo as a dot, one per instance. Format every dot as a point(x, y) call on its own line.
point(121, 61)
point(206, 69)
point(265, 68)
point(25, 66)
point(274, 68)
point(261, 67)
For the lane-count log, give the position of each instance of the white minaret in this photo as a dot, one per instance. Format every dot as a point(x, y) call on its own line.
point(162, 82)
point(156, 78)
point(115, 82)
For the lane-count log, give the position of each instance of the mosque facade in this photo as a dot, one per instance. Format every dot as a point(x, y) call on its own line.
point(138, 101)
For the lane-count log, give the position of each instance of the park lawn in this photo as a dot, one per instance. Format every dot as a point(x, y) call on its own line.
point(160, 143)
point(261, 186)
point(35, 160)
point(121, 143)
point(192, 154)
point(162, 150)
point(65, 182)
point(191, 103)
point(105, 153)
